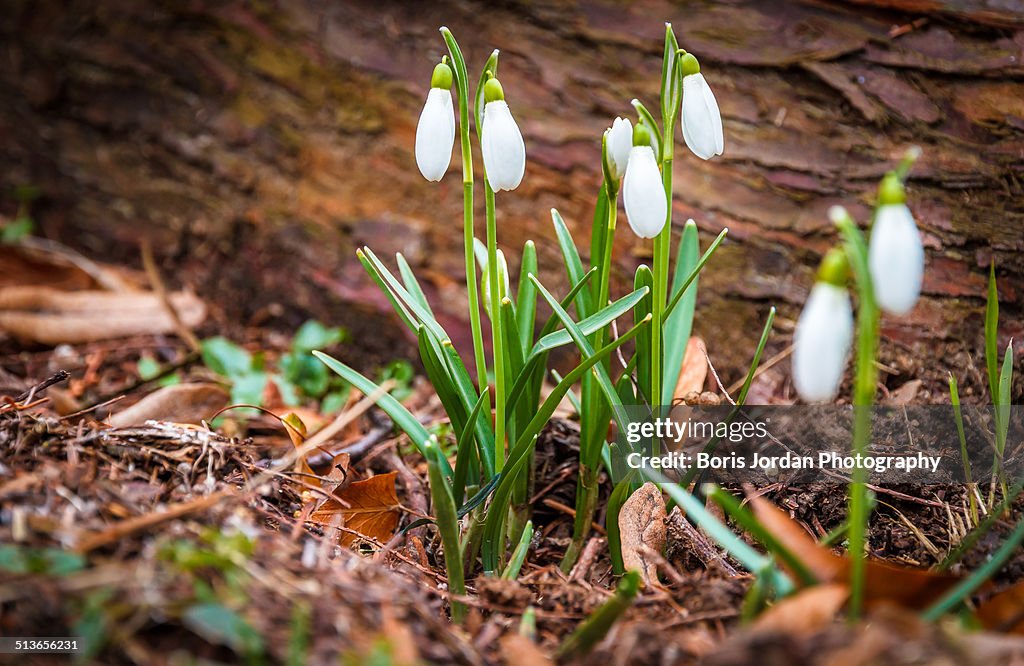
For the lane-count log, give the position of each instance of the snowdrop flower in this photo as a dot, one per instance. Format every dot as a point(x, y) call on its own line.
point(702, 122)
point(501, 141)
point(895, 252)
point(643, 193)
point(435, 133)
point(618, 144)
point(824, 332)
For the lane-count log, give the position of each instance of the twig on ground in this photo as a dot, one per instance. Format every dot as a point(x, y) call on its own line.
point(157, 283)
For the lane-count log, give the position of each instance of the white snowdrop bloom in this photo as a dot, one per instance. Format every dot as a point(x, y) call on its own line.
point(619, 144)
point(643, 194)
point(821, 342)
point(701, 120)
point(435, 132)
point(501, 141)
point(895, 252)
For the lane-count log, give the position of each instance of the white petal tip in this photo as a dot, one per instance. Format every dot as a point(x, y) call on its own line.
point(836, 214)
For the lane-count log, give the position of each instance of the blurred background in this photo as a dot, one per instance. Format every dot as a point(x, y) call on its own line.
point(256, 145)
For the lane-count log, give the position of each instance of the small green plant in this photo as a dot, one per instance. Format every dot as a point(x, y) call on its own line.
point(298, 376)
point(1000, 379)
point(22, 225)
point(496, 410)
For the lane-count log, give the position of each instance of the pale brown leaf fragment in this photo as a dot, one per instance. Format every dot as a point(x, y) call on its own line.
point(182, 403)
point(51, 316)
point(642, 526)
point(694, 370)
point(805, 612)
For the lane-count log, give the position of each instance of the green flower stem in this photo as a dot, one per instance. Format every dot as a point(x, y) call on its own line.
point(606, 261)
point(662, 251)
point(593, 425)
point(497, 340)
point(473, 293)
point(865, 382)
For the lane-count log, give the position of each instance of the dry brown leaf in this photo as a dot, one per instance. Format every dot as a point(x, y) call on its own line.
point(642, 526)
point(805, 612)
point(823, 563)
point(369, 507)
point(1004, 611)
point(50, 316)
point(905, 394)
point(694, 370)
point(518, 650)
point(183, 403)
point(883, 584)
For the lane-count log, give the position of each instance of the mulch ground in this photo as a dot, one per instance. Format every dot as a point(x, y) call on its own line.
point(169, 543)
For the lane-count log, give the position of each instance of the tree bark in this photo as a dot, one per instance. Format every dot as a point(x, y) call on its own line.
point(258, 144)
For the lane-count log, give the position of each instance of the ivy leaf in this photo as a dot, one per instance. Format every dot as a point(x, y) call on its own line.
point(314, 335)
point(225, 357)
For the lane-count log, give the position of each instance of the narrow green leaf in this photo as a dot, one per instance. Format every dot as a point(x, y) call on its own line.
point(493, 540)
point(1003, 402)
point(590, 458)
point(515, 564)
point(573, 263)
point(447, 525)
point(400, 309)
point(400, 292)
point(402, 417)
point(643, 279)
point(590, 632)
point(412, 285)
point(618, 497)
point(463, 449)
point(745, 519)
point(965, 588)
point(679, 324)
point(720, 533)
point(992, 333)
point(526, 300)
point(684, 288)
point(591, 324)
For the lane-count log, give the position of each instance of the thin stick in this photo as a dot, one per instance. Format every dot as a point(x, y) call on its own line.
point(155, 281)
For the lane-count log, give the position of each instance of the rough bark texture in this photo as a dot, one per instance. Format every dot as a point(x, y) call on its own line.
point(260, 143)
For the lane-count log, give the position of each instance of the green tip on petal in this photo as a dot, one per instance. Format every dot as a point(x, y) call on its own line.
point(493, 91)
point(442, 76)
point(688, 64)
point(834, 268)
point(641, 135)
point(891, 191)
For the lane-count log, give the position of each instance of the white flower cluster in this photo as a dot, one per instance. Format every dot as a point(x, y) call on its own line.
point(824, 332)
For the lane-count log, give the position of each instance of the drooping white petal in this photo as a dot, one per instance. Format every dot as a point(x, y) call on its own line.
point(702, 122)
point(620, 142)
point(643, 193)
point(896, 259)
point(821, 342)
point(503, 148)
point(435, 134)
